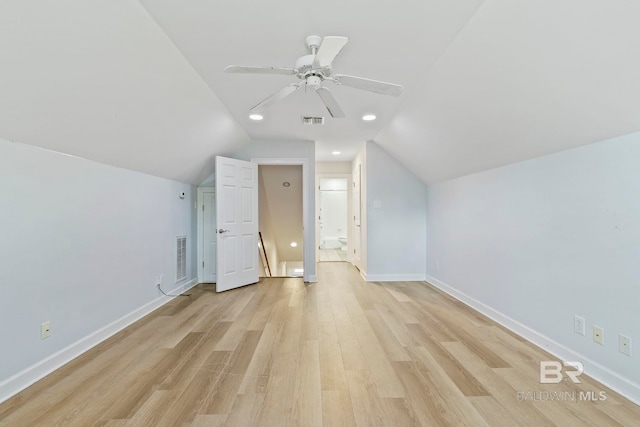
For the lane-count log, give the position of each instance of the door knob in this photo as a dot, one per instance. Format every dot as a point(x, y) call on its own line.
point(223, 231)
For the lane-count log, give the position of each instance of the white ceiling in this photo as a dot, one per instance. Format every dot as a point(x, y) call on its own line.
point(100, 80)
point(141, 84)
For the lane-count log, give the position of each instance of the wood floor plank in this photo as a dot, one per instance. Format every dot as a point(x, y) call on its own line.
point(154, 409)
point(456, 372)
point(337, 409)
point(363, 399)
point(492, 411)
point(421, 396)
point(379, 365)
point(331, 368)
point(279, 395)
point(221, 400)
point(522, 411)
point(307, 405)
point(395, 351)
point(341, 351)
point(209, 420)
point(245, 412)
point(259, 368)
point(352, 356)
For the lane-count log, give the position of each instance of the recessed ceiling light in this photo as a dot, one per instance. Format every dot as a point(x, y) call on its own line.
point(368, 117)
point(256, 116)
point(294, 244)
point(335, 153)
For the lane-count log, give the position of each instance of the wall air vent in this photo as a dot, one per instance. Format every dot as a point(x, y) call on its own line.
point(181, 259)
point(312, 120)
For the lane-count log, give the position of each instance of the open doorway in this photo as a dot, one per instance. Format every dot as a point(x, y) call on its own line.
point(333, 219)
point(280, 201)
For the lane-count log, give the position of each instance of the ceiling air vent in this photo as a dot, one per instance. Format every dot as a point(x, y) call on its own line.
point(313, 120)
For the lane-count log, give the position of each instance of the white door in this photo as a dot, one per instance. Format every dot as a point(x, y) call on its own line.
point(237, 222)
point(210, 238)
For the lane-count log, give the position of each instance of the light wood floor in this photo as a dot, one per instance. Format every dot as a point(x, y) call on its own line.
point(339, 352)
point(332, 255)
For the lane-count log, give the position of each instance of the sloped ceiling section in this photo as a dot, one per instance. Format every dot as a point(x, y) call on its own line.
point(521, 80)
point(102, 81)
point(140, 84)
point(393, 41)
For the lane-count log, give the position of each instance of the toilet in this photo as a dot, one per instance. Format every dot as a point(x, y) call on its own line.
point(343, 243)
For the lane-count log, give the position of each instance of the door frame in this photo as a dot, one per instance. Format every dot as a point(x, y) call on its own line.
point(308, 232)
point(349, 179)
point(200, 230)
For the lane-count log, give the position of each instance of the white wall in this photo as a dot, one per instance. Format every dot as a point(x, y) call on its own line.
point(534, 243)
point(333, 167)
point(396, 226)
point(83, 243)
point(293, 150)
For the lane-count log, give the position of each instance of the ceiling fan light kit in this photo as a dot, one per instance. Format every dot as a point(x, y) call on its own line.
point(313, 69)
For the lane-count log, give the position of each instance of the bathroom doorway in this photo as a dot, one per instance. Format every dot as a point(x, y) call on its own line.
point(333, 219)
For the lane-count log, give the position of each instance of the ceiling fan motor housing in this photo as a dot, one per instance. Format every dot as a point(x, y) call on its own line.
point(314, 82)
point(304, 64)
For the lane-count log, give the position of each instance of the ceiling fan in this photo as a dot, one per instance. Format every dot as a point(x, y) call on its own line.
point(312, 70)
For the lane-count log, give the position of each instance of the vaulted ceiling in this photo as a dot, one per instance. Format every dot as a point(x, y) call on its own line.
point(141, 84)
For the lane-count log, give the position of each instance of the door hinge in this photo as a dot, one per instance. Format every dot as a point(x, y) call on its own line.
point(202, 208)
point(202, 264)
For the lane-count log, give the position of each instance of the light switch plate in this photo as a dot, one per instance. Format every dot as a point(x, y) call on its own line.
point(579, 325)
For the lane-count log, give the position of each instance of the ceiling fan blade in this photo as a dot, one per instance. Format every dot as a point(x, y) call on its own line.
point(329, 49)
point(260, 70)
point(281, 94)
point(368, 84)
point(330, 102)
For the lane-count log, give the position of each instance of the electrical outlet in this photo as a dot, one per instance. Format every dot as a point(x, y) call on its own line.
point(45, 330)
point(159, 280)
point(579, 325)
point(598, 335)
point(624, 344)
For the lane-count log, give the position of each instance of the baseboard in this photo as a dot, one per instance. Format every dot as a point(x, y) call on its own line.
point(393, 277)
point(23, 379)
point(600, 373)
